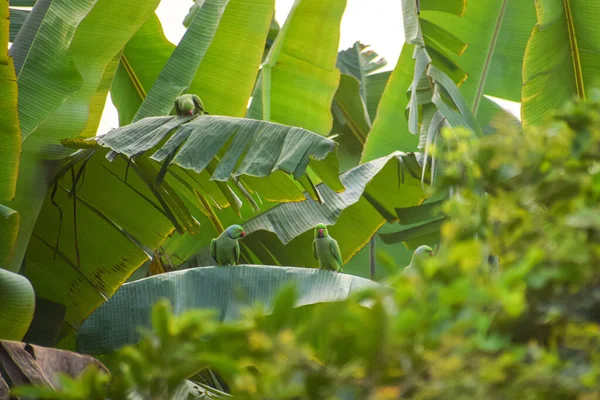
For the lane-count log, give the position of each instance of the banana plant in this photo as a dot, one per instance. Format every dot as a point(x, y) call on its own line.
point(480, 46)
point(560, 58)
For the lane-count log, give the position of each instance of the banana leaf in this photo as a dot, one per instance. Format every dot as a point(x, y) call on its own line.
point(297, 84)
point(283, 234)
point(496, 32)
point(228, 290)
point(76, 42)
point(562, 57)
point(10, 150)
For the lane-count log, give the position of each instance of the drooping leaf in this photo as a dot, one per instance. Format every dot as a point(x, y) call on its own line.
point(496, 33)
point(67, 259)
point(259, 147)
point(226, 289)
point(562, 57)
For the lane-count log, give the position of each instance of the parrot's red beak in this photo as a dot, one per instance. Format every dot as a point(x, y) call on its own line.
point(242, 234)
point(191, 112)
point(320, 232)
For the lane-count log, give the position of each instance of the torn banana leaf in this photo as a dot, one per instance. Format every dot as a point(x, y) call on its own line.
point(283, 234)
point(225, 147)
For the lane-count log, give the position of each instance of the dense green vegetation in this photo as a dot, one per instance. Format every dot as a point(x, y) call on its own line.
point(461, 329)
point(296, 134)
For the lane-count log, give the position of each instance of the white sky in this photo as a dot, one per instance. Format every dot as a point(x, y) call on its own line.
point(377, 23)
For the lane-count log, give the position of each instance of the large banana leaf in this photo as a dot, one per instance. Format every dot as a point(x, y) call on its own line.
point(562, 57)
point(227, 289)
point(76, 42)
point(299, 78)
point(86, 244)
point(496, 33)
point(264, 147)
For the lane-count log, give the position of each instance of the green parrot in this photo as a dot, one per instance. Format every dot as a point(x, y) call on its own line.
point(326, 250)
point(420, 254)
point(225, 249)
point(189, 104)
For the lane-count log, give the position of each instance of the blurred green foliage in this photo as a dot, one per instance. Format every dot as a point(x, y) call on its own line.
point(465, 329)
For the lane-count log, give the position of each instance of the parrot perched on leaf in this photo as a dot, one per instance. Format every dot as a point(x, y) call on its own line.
point(416, 262)
point(189, 104)
point(225, 249)
point(326, 250)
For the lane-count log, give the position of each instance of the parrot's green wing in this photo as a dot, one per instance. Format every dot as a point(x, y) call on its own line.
point(315, 249)
point(335, 250)
point(213, 249)
point(199, 105)
point(237, 251)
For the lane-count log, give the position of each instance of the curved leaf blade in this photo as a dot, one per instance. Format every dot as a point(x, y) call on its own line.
point(297, 83)
point(10, 150)
point(227, 289)
point(562, 57)
point(258, 148)
point(79, 51)
point(227, 74)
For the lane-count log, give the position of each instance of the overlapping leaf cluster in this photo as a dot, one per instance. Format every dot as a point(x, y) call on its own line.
point(459, 330)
